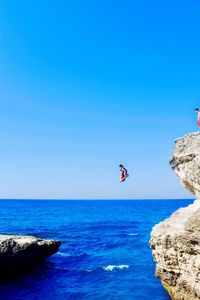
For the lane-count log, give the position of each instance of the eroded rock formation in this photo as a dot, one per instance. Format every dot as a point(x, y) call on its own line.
point(185, 161)
point(175, 242)
point(18, 253)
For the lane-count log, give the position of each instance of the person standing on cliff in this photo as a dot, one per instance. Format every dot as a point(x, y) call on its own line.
point(123, 173)
point(198, 116)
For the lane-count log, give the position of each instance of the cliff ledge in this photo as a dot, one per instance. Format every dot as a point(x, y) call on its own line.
point(175, 242)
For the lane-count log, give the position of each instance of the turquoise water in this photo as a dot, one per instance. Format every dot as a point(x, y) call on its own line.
point(104, 253)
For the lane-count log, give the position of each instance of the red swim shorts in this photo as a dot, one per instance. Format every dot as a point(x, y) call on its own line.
point(199, 122)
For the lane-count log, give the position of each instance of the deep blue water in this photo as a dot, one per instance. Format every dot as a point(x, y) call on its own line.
point(104, 253)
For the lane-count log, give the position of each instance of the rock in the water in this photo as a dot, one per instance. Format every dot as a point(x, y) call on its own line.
point(18, 253)
point(175, 242)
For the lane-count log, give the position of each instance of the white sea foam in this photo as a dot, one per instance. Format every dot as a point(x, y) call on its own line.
point(63, 254)
point(132, 234)
point(88, 270)
point(111, 268)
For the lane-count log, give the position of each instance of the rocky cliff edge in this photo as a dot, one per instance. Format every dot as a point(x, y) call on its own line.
point(175, 242)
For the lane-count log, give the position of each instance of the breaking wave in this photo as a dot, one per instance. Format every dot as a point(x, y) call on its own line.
point(113, 267)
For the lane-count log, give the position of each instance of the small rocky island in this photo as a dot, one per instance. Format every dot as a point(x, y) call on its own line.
point(175, 242)
point(19, 253)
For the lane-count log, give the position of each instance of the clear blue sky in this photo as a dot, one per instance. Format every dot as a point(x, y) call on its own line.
point(86, 85)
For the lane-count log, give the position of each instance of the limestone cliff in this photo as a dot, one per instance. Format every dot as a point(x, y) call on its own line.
point(175, 242)
point(185, 161)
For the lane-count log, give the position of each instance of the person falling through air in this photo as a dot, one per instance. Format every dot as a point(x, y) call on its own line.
point(198, 116)
point(123, 173)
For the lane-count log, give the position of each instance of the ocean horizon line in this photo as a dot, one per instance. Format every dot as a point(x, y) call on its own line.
point(85, 199)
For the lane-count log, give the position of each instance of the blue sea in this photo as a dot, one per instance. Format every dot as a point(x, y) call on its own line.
point(105, 248)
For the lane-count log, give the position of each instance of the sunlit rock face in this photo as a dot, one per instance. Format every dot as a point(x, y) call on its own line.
point(175, 242)
point(185, 161)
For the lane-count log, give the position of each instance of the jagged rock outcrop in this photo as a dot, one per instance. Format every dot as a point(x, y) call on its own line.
point(18, 253)
point(175, 242)
point(185, 161)
point(176, 248)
